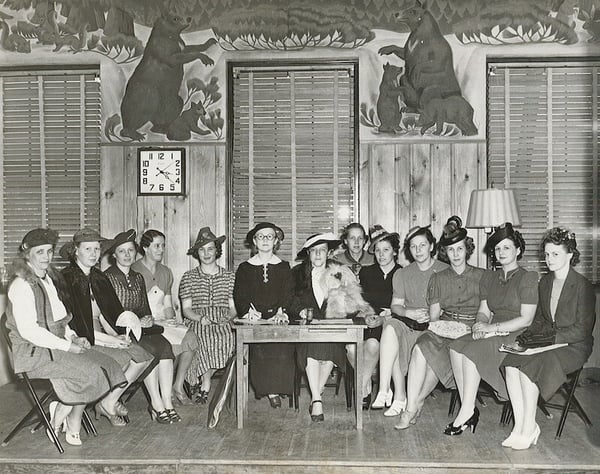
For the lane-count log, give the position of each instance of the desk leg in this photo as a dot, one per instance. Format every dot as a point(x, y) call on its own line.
point(239, 369)
point(358, 383)
point(246, 385)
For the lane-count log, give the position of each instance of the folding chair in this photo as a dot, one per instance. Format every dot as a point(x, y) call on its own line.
point(571, 404)
point(37, 412)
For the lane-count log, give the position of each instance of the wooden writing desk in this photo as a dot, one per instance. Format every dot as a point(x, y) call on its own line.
point(350, 332)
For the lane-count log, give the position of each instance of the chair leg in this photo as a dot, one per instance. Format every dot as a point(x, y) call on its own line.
point(349, 387)
point(453, 401)
point(42, 413)
point(507, 414)
point(542, 406)
point(571, 400)
point(88, 424)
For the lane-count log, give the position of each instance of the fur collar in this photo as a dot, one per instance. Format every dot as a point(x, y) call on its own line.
point(20, 268)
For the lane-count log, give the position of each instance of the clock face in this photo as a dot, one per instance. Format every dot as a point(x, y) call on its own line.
point(161, 171)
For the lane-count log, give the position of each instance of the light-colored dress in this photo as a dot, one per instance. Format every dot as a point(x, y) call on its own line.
point(210, 295)
point(410, 284)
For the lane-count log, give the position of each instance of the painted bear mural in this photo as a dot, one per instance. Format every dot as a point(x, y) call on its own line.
point(429, 85)
point(152, 92)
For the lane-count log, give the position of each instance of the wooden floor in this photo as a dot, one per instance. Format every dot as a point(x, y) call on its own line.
point(283, 440)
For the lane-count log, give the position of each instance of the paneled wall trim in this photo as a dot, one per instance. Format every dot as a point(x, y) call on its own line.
point(407, 184)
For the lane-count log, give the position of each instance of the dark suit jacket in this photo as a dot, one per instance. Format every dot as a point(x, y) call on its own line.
point(304, 296)
point(575, 314)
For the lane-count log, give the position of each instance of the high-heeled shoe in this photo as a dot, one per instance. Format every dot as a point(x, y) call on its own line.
point(114, 420)
point(508, 442)
point(417, 415)
point(397, 407)
point(173, 415)
point(471, 423)
point(121, 409)
point(181, 398)
point(525, 442)
point(161, 417)
point(382, 400)
point(201, 397)
point(406, 420)
point(274, 401)
point(315, 418)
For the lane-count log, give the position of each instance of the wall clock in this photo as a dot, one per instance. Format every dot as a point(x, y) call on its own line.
point(161, 171)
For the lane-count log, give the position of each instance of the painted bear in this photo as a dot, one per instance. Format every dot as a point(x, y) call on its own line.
point(388, 107)
point(152, 93)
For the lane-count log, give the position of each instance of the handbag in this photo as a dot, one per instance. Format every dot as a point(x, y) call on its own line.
point(530, 340)
point(154, 329)
point(411, 323)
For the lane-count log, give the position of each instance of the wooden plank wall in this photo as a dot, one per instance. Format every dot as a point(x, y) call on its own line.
point(179, 218)
point(407, 184)
point(400, 185)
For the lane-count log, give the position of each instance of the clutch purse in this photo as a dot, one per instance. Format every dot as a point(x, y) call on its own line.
point(530, 340)
point(154, 329)
point(411, 323)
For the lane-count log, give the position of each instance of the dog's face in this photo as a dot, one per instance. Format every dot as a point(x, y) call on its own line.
point(338, 276)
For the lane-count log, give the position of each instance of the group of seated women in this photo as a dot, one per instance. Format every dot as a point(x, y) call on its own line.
point(93, 333)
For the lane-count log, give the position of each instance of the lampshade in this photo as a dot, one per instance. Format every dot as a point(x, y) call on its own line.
point(492, 207)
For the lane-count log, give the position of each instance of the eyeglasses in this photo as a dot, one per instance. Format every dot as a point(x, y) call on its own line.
point(268, 237)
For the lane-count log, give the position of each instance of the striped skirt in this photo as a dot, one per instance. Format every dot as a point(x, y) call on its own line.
point(215, 345)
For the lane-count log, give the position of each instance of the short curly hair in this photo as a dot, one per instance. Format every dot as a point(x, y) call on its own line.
point(563, 237)
point(443, 254)
point(147, 238)
point(348, 228)
point(426, 231)
point(393, 239)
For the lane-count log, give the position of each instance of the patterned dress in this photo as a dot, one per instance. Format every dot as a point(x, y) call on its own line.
point(131, 291)
point(210, 296)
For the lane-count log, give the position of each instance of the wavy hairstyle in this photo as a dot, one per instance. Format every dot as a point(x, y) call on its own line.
point(563, 237)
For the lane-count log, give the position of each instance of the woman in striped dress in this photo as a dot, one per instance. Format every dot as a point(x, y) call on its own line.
point(206, 294)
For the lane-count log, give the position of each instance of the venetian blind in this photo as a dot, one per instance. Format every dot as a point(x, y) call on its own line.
point(49, 154)
point(293, 153)
point(543, 142)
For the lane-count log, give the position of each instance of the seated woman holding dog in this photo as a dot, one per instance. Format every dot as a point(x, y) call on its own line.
point(131, 291)
point(452, 295)
point(89, 295)
point(263, 290)
point(565, 314)
point(410, 314)
point(310, 293)
point(376, 283)
point(45, 347)
point(158, 279)
point(509, 298)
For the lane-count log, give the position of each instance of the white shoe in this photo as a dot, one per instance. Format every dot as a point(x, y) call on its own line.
point(508, 442)
point(396, 408)
point(71, 437)
point(382, 399)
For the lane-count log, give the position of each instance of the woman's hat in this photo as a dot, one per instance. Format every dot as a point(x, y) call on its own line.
point(205, 236)
point(37, 237)
point(414, 231)
point(500, 233)
point(328, 238)
point(83, 235)
point(263, 225)
point(121, 238)
point(453, 232)
point(376, 234)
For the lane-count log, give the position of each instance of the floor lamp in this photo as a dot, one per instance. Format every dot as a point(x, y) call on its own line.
point(489, 208)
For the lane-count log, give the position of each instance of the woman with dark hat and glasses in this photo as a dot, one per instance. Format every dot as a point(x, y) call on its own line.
point(158, 279)
point(206, 294)
point(263, 290)
point(565, 314)
point(131, 291)
point(44, 346)
point(89, 296)
point(376, 283)
point(310, 294)
point(410, 315)
point(508, 299)
point(452, 295)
